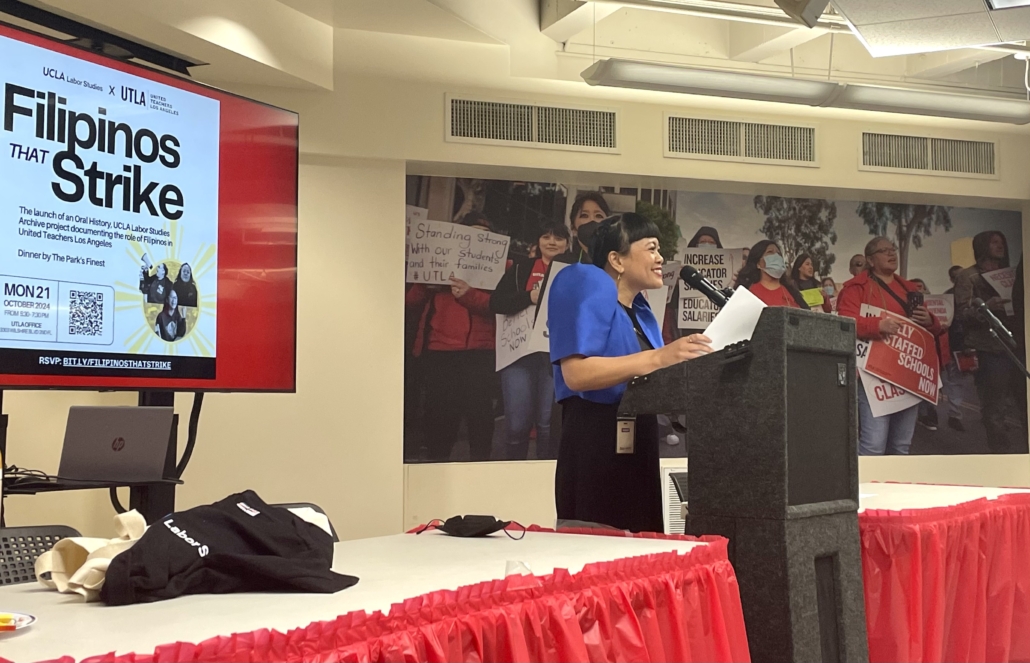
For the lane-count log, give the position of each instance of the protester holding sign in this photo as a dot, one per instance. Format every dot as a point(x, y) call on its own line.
point(951, 389)
point(527, 383)
point(603, 334)
point(765, 275)
point(829, 287)
point(1000, 385)
point(706, 237)
point(880, 287)
point(455, 338)
point(803, 275)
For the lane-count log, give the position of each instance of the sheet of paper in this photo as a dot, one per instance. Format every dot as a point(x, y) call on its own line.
point(736, 322)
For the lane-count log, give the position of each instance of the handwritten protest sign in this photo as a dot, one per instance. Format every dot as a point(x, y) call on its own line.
point(513, 337)
point(438, 251)
point(941, 306)
point(884, 398)
point(1002, 281)
point(670, 274)
point(412, 213)
point(720, 266)
point(908, 359)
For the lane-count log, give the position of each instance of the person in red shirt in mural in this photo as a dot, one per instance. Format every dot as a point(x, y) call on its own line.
point(765, 275)
point(455, 339)
point(881, 287)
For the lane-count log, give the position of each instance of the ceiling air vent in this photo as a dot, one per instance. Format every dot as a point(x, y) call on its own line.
point(527, 125)
point(928, 156)
point(729, 140)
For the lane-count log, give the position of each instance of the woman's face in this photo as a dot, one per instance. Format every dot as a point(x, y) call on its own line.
point(173, 300)
point(552, 246)
point(884, 258)
point(642, 265)
point(162, 271)
point(806, 270)
point(185, 273)
point(707, 240)
point(590, 211)
point(772, 249)
point(829, 287)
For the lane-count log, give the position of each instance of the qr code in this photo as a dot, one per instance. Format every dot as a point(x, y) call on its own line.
point(85, 313)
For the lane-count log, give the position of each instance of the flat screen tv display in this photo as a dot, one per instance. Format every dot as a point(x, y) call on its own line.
point(148, 228)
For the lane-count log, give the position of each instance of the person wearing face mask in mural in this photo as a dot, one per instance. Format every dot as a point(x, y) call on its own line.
point(589, 207)
point(765, 275)
point(881, 287)
point(1000, 385)
point(603, 334)
point(829, 287)
point(527, 384)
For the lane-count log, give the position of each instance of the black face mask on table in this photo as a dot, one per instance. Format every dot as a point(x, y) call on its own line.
point(471, 526)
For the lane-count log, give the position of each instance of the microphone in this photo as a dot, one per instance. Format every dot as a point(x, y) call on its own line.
point(696, 280)
point(1000, 330)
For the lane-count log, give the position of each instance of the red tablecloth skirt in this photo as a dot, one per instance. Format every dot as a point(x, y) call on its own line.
point(948, 584)
point(663, 607)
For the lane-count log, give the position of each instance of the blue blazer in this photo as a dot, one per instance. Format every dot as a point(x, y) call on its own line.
point(585, 318)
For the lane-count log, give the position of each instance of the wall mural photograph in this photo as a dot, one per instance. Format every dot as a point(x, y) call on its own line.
point(478, 379)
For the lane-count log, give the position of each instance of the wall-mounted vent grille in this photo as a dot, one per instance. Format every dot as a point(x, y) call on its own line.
point(929, 156)
point(727, 140)
point(527, 125)
point(671, 505)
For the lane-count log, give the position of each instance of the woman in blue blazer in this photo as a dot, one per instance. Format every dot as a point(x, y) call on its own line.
point(603, 334)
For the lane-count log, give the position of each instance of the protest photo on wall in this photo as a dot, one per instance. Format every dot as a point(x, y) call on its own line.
point(480, 252)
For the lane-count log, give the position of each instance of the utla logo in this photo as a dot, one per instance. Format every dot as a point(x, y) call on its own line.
point(118, 444)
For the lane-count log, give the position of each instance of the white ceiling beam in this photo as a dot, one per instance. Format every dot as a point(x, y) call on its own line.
point(750, 42)
point(561, 19)
point(946, 63)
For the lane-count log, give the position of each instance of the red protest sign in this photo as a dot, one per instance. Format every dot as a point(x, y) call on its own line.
point(907, 359)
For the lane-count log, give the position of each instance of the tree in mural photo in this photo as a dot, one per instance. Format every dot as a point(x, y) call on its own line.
point(906, 225)
point(801, 225)
point(668, 229)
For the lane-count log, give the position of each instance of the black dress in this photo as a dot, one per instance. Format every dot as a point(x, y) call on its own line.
point(595, 484)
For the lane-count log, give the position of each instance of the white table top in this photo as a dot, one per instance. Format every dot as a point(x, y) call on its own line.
point(390, 569)
point(897, 496)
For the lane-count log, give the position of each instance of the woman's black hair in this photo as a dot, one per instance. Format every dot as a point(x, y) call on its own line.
point(559, 230)
point(617, 233)
point(795, 272)
point(750, 274)
point(594, 196)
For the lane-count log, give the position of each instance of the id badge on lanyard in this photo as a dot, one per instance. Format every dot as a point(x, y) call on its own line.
point(625, 435)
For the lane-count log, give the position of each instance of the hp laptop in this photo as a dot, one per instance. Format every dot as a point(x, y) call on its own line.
point(129, 444)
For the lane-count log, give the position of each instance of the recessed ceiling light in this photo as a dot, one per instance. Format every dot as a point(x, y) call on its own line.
point(1007, 4)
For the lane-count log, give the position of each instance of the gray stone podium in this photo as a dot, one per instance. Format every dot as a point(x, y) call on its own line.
point(772, 430)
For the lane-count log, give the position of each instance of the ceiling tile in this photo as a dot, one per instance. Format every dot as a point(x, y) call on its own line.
point(927, 35)
point(865, 12)
point(1012, 24)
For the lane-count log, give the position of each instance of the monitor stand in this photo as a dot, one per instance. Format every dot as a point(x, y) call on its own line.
point(155, 501)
